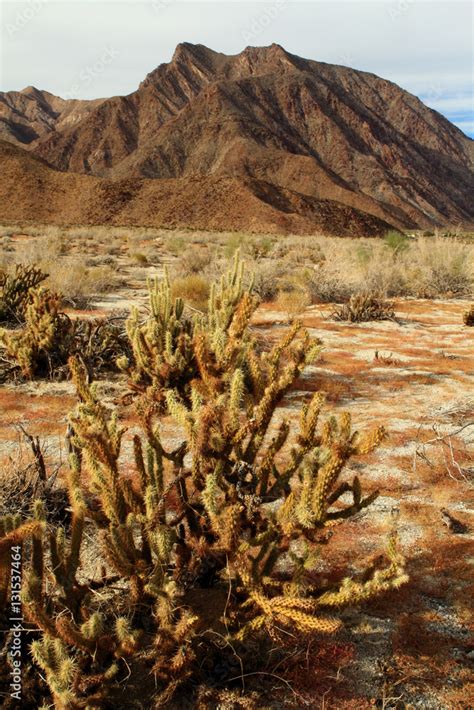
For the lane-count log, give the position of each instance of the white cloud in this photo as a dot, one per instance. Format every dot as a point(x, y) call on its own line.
point(451, 104)
point(466, 126)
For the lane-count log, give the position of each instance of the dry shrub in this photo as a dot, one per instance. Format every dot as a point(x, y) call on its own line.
point(268, 277)
point(395, 266)
point(193, 289)
point(194, 261)
point(300, 249)
point(78, 283)
point(43, 248)
point(446, 265)
point(322, 286)
point(364, 307)
point(468, 316)
point(175, 244)
point(27, 478)
point(293, 303)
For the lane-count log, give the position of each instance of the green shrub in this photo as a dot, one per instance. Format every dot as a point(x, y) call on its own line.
point(140, 258)
point(397, 242)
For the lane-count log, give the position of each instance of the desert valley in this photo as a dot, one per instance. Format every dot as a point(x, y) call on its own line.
point(208, 287)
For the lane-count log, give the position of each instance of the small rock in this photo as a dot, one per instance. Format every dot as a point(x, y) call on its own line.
point(454, 524)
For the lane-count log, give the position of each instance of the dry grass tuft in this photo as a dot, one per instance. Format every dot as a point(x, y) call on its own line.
point(293, 303)
point(193, 289)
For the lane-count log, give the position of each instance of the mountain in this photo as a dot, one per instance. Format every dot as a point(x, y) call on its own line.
point(30, 114)
point(31, 190)
point(310, 142)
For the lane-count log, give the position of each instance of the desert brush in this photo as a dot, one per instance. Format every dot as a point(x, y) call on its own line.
point(42, 347)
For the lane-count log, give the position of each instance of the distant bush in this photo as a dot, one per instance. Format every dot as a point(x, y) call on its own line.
point(194, 261)
point(322, 286)
point(140, 258)
point(445, 267)
point(267, 277)
point(77, 283)
point(175, 244)
point(449, 279)
point(254, 246)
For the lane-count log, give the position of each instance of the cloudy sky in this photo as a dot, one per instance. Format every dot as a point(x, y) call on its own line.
point(93, 48)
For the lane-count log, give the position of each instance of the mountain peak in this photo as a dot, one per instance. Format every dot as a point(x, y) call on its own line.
point(188, 50)
point(31, 91)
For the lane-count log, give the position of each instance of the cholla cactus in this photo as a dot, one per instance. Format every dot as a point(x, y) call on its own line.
point(239, 495)
point(365, 306)
point(15, 291)
point(168, 349)
point(161, 346)
point(29, 347)
point(49, 337)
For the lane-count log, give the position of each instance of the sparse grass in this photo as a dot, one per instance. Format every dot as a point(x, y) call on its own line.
point(194, 289)
point(330, 269)
point(78, 283)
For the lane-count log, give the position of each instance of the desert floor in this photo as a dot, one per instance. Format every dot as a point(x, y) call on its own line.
point(415, 375)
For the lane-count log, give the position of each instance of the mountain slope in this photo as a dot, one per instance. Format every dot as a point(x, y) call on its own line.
point(326, 131)
point(276, 124)
point(30, 114)
point(31, 190)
